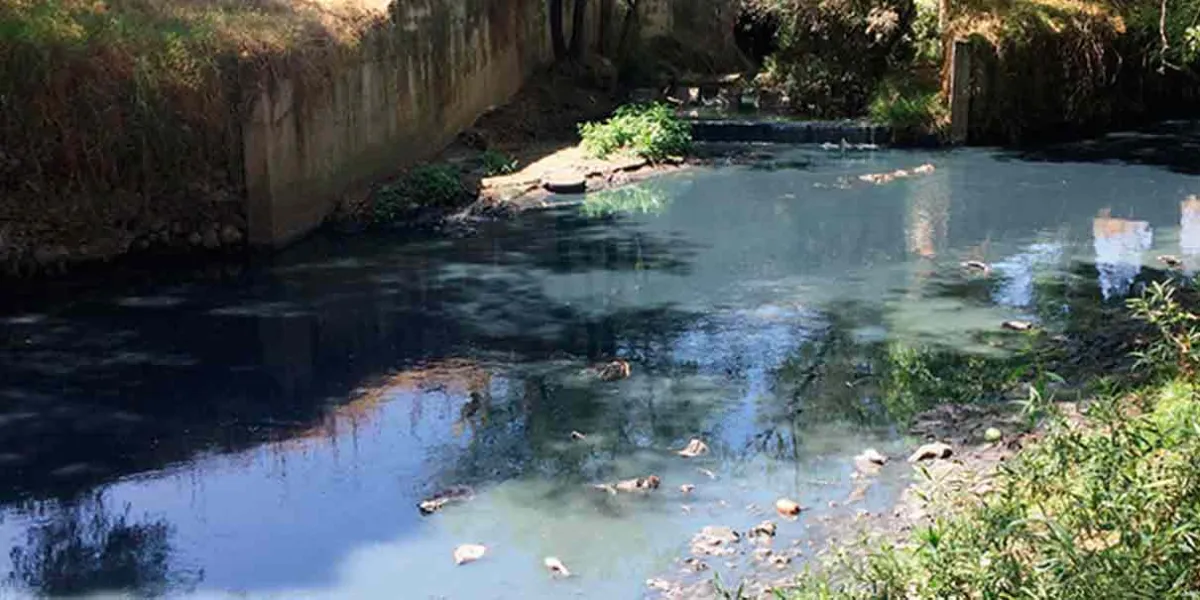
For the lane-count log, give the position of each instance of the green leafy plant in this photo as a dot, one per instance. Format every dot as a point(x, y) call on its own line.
point(430, 185)
point(652, 131)
point(497, 163)
point(908, 109)
point(1177, 345)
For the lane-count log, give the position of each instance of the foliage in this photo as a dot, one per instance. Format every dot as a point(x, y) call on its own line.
point(1103, 506)
point(1176, 348)
point(426, 186)
point(497, 163)
point(916, 379)
point(909, 110)
point(832, 55)
point(652, 131)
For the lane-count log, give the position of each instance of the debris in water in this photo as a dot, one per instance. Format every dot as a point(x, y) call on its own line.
point(694, 448)
point(695, 565)
point(924, 169)
point(450, 495)
point(976, 265)
point(614, 371)
point(641, 484)
point(658, 584)
point(787, 507)
point(687, 488)
point(931, 451)
point(556, 566)
point(1173, 262)
point(764, 529)
point(858, 493)
point(467, 553)
point(992, 435)
point(707, 473)
point(1017, 325)
point(579, 437)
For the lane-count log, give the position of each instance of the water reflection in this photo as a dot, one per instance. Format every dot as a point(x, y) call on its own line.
point(1119, 245)
point(1189, 228)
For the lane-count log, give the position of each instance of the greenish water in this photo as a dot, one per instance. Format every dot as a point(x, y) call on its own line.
point(268, 431)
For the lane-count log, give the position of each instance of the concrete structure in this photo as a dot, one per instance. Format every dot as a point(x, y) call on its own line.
point(412, 86)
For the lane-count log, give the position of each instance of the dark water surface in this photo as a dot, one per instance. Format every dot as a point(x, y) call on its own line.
point(269, 431)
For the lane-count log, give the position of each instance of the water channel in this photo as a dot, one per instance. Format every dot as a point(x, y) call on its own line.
point(267, 431)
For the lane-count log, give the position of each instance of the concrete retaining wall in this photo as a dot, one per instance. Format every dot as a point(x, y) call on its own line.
point(411, 88)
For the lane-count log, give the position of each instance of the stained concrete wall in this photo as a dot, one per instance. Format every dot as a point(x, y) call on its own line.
point(414, 84)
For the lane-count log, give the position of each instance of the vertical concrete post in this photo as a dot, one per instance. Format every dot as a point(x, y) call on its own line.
point(960, 92)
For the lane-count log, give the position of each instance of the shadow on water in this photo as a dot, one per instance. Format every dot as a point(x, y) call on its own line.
point(1173, 145)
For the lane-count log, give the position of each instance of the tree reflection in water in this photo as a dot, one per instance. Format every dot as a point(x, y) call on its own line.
point(82, 547)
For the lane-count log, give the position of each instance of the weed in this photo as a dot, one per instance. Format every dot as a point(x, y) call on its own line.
point(497, 163)
point(652, 131)
point(426, 186)
point(908, 109)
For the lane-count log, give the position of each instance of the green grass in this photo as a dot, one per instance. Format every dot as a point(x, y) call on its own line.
point(909, 109)
point(425, 186)
point(1105, 507)
point(652, 131)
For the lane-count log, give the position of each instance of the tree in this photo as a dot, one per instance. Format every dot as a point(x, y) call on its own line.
point(558, 37)
point(578, 29)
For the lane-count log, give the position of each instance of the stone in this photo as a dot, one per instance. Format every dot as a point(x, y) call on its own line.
point(694, 448)
point(468, 553)
point(931, 452)
point(788, 507)
point(639, 485)
point(872, 455)
point(976, 265)
point(715, 541)
point(556, 567)
point(687, 488)
point(614, 371)
point(695, 565)
point(1171, 261)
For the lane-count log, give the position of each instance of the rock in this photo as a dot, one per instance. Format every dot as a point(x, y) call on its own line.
point(468, 553)
point(761, 554)
point(764, 529)
point(866, 467)
point(1173, 262)
point(873, 456)
point(658, 584)
point(195, 239)
point(930, 452)
point(787, 507)
point(924, 169)
point(694, 448)
point(211, 240)
point(707, 473)
point(780, 560)
point(687, 488)
point(231, 235)
point(565, 182)
point(579, 437)
point(992, 435)
point(695, 565)
point(556, 567)
point(858, 493)
point(450, 495)
point(1017, 325)
point(614, 371)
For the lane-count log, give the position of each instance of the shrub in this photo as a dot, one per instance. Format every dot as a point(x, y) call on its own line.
point(831, 55)
point(426, 186)
point(908, 109)
point(497, 163)
point(652, 131)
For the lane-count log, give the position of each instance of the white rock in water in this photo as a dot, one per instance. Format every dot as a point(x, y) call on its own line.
point(872, 455)
point(931, 451)
point(556, 566)
point(467, 553)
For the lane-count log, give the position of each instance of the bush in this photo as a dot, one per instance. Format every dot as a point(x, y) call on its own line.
point(831, 55)
point(497, 163)
point(426, 186)
point(909, 110)
point(1105, 506)
point(652, 131)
